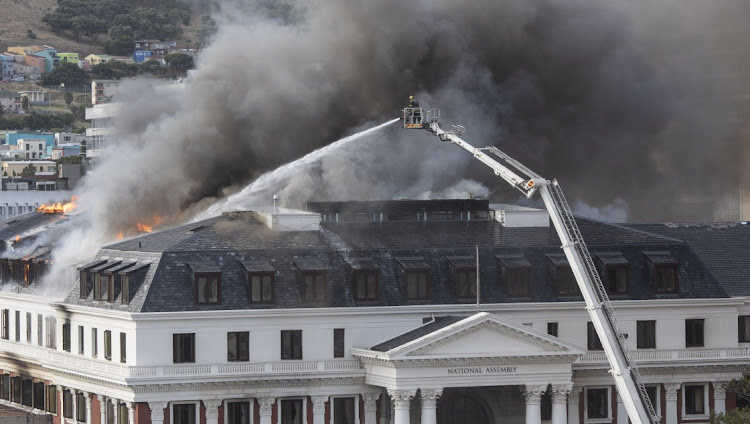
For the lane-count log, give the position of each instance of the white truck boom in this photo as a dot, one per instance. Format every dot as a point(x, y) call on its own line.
point(623, 369)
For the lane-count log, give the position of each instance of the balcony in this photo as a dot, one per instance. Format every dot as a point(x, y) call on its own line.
point(671, 356)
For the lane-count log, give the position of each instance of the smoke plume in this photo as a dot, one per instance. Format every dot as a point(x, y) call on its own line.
point(601, 95)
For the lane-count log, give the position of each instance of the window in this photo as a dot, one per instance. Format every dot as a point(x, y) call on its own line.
point(365, 284)
point(417, 284)
point(343, 410)
point(50, 400)
point(123, 348)
point(466, 282)
point(81, 407)
point(238, 346)
point(518, 281)
point(597, 403)
point(593, 339)
point(5, 386)
point(94, 347)
point(184, 413)
point(566, 281)
point(110, 412)
point(39, 330)
point(665, 278)
point(653, 397)
point(108, 287)
point(744, 328)
point(314, 286)
point(66, 336)
point(261, 288)
point(50, 325)
point(552, 328)
point(28, 327)
point(291, 344)
point(646, 334)
point(238, 413)
point(15, 392)
point(291, 411)
point(693, 333)
point(338, 342)
point(125, 285)
point(27, 391)
point(617, 279)
point(38, 395)
point(67, 404)
point(183, 348)
point(83, 284)
point(546, 406)
point(108, 345)
point(5, 318)
point(80, 340)
point(207, 290)
point(17, 326)
point(123, 414)
point(97, 286)
point(695, 399)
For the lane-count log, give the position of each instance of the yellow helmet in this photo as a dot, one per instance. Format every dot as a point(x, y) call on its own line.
point(411, 98)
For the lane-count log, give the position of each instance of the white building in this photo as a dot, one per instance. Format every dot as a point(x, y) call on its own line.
point(365, 312)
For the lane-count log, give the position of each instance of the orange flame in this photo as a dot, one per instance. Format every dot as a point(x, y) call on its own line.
point(144, 228)
point(59, 207)
point(120, 235)
point(18, 238)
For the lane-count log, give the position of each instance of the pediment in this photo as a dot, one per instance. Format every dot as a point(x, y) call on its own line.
point(483, 336)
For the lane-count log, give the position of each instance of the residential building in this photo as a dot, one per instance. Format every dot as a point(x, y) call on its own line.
point(97, 59)
point(15, 168)
point(66, 150)
point(26, 50)
point(16, 56)
point(153, 44)
point(140, 56)
point(365, 312)
point(31, 148)
point(68, 138)
point(37, 97)
point(12, 138)
point(68, 57)
point(22, 69)
point(39, 62)
point(10, 101)
point(101, 130)
point(50, 56)
point(103, 90)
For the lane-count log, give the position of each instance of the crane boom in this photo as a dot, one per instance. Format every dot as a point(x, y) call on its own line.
point(623, 369)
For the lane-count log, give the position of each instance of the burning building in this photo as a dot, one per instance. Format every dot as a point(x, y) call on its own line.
point(365, 312)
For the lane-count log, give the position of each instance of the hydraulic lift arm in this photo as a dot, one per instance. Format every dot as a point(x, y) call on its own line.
point(623, 369)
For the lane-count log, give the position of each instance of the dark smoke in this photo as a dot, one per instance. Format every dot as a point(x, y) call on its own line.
point(605, 96)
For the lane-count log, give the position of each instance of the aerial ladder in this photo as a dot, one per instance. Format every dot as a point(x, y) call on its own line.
point(622, 368)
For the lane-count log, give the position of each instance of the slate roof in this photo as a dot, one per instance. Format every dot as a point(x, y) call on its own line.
point(430, 327)
point(235, 244)
point(723, 247)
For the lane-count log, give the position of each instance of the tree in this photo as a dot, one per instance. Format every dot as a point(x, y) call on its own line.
point(741, 387)
point(25, 103)
point(122, 45)
point(65, 73)
point(151, 67)
point(115, 69)
point(68, 98)
point(179, 61)
point(58, 22)
point(28, 170)
point(206, 30)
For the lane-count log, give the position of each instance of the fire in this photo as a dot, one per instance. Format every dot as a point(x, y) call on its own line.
point(120, 235)
point(59, 207)
point(18, 238)
point(145, 228)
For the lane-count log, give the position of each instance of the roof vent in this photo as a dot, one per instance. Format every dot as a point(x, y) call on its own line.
point(513, 216)
point(280, 219)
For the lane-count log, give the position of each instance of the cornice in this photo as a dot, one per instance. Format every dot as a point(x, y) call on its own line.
point(248, 385)
point(467, 361)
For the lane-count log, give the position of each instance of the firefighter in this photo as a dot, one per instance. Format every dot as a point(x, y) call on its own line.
point(417, 112)
point(413, 102)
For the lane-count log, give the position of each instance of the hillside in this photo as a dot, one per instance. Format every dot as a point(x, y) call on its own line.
point(22, 15)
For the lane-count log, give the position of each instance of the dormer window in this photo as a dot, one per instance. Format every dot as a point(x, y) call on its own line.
point(259, 280)
point(464, 271)
point(84, 275)
point(416, 278)
point(664, 270)
point(565, 280)
point(364, 279)
point(314, 277)
point(516, 272)
point(615, 272)
point(207, 288)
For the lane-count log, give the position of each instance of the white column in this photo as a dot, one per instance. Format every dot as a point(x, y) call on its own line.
point(266, 407)
point(559, 400)
point(671, 406)
point(60, 402)
point(622, 413)
point(87, 396)
point(116, 409)
point(720, 396)
point(75, 401)
point(429, 405)
point(319, 409)
point(102, 408)
point(573, 400)
point(371, 407)
point(533, 396)
point(157, 412)
point(401, 402)
point(212, 410)
point(131, 412)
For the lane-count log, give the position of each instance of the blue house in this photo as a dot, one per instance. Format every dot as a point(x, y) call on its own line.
point(140, 56)
point(12, 139)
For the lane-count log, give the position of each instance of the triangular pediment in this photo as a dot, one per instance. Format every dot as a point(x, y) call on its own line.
point(482, 335)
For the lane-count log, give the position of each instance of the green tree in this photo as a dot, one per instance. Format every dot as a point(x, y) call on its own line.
point(122, 45)
point(151, 67)
point(65, 73)
point(25, 103)
point(68, 97)
point(115, 69)
point(206, 30)
point(118, 31)
point(741, 387)
point(57, 22)
point(28, 170)
point(179, 61)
